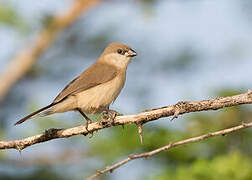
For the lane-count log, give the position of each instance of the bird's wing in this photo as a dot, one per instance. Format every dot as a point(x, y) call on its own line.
point(99, 74)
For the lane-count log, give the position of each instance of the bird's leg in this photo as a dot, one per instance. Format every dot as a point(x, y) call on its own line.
point(87, 119)
point(110, 114)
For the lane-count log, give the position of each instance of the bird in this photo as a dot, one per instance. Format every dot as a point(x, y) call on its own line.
point(96, 88)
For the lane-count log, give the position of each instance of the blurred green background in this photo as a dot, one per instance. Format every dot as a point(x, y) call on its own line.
point(187, 50)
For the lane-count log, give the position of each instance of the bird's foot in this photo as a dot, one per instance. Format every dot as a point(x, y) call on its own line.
point(88, 122)
point(86, 126)
point(110, 115)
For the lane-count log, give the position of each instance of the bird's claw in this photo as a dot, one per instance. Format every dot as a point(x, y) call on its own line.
point(110, 115)
point(88, 122)
point(86, 127)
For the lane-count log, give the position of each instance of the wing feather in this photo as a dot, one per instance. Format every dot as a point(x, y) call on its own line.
point(96, 74)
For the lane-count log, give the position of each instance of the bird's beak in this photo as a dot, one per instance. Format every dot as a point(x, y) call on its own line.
point(131, 53)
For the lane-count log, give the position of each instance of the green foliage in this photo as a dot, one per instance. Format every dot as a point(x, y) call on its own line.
point(9, 16)
point(232, 166)
point(40, 174)
point(116, 143)
point(227, 92)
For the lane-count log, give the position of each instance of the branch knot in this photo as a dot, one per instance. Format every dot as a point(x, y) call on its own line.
point(250, 92)
point(179, 108)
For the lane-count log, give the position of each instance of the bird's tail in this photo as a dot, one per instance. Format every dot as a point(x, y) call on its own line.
point(41, 112)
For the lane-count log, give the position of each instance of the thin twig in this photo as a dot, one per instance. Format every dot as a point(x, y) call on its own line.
point(141, 118)
point(26, 58)
point(140, 132)
point(167, 147)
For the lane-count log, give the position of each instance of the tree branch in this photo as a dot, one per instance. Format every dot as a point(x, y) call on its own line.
point(141, 118)
point(147, 155)
point(26, 58)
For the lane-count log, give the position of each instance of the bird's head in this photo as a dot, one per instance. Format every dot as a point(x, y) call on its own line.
point(118, 54)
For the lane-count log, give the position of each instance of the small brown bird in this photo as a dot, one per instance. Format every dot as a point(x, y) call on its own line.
point(96, 88)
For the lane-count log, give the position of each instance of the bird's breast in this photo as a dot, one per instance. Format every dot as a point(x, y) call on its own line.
point(98, 98)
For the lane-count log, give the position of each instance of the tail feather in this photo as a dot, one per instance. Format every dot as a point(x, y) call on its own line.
point(40, 112)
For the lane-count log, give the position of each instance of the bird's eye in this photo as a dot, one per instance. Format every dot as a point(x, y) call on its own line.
point(119, 51)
